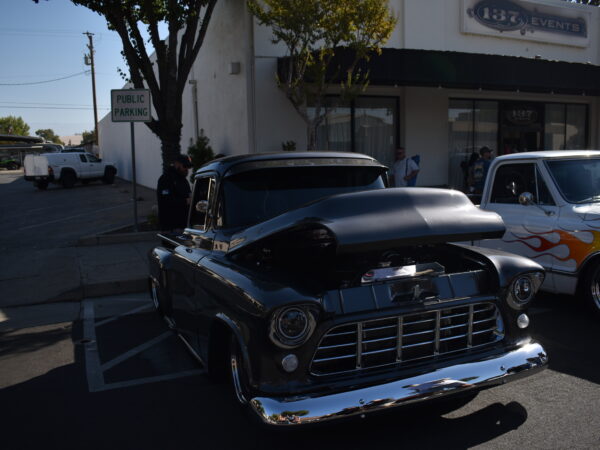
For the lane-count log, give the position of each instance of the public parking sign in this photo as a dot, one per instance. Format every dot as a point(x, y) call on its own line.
point(130, 105)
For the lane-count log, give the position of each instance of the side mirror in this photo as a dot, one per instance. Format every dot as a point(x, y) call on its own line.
point(526, 199)
point(202, 206)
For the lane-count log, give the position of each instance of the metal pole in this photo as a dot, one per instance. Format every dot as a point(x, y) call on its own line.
point(135, 216)
point(91, 48)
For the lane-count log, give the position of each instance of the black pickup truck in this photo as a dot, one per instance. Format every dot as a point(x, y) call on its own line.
point(323, 294)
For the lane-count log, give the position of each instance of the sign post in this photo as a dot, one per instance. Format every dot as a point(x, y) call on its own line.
point(131, 105)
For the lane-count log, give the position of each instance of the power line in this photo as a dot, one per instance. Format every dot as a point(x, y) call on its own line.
point(46, 81)
point(17, 103)
point(47, 107)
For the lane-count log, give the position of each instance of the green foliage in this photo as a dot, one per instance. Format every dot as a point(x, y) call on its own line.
point(49, 135)
point(166, 74)
point(288, 146)
point(88, 136)
point(312, 32)
point(13, 125)
point(588, 2)
point(201, 152)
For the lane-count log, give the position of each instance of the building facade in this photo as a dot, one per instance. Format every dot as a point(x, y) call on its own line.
point(456, 75)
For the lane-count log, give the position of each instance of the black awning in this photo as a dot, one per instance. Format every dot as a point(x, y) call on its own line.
point(14, 138)
point(405, 67)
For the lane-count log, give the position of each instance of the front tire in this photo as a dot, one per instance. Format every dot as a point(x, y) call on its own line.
point(591, 288)
point(239, 380)
point(68, 179)
point(109, 175)
point(12, 166)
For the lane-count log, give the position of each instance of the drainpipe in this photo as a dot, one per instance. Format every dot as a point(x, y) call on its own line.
point(195, 101)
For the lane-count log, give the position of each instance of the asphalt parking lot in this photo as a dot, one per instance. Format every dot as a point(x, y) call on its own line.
point(57, 217)
point(116, 377)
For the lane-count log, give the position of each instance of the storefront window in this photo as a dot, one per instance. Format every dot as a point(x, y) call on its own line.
point(334, 132)
point(374, 130)
point(367, 125)
point(554, 127)
point(472, 124)
point(575, 129)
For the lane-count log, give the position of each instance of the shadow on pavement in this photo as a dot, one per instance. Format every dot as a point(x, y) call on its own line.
point(55, 410)
point(570, 334)
point(16, 342)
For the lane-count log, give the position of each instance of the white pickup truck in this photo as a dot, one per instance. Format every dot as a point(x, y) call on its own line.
point(67, 169)
point(550, 204)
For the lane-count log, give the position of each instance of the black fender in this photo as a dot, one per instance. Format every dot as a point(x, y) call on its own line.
point(66, 170)
point(507, 265)
point(238, 335)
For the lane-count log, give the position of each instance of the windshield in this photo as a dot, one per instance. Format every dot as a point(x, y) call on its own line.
point(254, 196)
point(577, 179)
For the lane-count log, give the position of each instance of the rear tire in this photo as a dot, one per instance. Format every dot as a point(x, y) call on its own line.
point(591, 287)
point(41, 185)
point(12, 166)
point(109, 175)
point(68, 179)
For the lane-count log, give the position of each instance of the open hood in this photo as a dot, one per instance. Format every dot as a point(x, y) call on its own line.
point(384, 218)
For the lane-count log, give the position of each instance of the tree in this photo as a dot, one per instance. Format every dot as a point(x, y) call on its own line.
point(49, 135)
point(88, 137)
point(313, 32)
point(587, 2)
point(166, 71)
point(13, 125)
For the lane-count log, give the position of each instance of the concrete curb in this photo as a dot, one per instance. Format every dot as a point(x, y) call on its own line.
point(116, 238)
point(103, 289)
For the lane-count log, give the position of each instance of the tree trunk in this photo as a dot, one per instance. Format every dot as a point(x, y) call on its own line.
point(311, 137)
point(170, 149)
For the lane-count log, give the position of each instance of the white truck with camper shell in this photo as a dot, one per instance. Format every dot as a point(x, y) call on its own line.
point(66, 169)
point(550, 204)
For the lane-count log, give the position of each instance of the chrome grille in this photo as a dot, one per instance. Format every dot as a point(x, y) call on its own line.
point(406, 338)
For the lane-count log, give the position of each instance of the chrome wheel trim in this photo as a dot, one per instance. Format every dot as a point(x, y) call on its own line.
point(154, 291)
point(236, 379)
point(595, 289)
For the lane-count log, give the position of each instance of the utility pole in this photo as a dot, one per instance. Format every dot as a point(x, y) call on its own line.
point(89, 61)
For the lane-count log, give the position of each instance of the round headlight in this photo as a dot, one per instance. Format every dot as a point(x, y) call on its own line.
point(523, 289)
point(292, 326)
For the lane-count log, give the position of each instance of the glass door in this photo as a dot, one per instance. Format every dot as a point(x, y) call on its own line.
point(521, 127)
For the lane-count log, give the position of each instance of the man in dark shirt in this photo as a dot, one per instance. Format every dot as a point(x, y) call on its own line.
point(173, 192)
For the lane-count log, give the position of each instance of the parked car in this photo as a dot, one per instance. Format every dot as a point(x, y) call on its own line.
point(325, 295)
point(550, 204)
point(10, 164)
point(67, 169)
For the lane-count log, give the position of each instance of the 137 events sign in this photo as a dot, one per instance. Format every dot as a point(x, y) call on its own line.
point(529, 20)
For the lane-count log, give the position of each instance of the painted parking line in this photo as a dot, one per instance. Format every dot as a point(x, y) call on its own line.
point(128, 313)
point(95, 369)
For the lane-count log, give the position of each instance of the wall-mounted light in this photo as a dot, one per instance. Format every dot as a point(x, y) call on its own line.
point(235, 68)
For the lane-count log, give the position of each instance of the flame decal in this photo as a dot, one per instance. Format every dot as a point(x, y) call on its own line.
point(578, 249)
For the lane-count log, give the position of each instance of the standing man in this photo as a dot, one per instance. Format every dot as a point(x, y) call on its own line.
point(173, 192)
point(404, 169)
point(479, 170)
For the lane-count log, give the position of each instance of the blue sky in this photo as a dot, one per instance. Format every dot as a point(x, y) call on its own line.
point(44, 41)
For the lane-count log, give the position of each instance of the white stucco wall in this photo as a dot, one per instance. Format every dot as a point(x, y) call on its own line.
point(222, 101)
point(436, 25)
point(246, 112)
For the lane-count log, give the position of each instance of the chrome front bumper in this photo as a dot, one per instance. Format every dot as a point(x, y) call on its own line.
point(520, 362)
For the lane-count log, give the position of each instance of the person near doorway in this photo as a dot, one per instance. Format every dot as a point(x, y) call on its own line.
point(479, 170)
point(173, 194)
point(404, 169)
